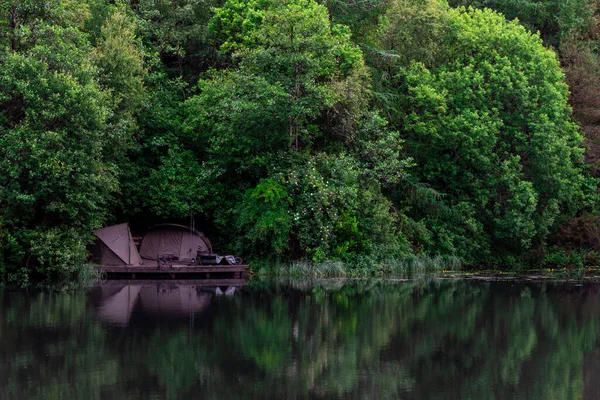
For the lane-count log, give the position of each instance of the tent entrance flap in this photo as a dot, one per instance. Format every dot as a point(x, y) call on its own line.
point(117, 246)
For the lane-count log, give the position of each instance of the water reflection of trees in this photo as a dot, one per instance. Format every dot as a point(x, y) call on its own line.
point(51, 348)
point(438, 340)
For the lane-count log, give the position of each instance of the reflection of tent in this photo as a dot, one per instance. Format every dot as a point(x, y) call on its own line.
point(169, 300)
point(116, 304)
point(115, 246)
point(176, 241)
point(117, 308)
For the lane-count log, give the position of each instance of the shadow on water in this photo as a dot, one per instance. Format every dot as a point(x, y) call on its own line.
point(425, 339)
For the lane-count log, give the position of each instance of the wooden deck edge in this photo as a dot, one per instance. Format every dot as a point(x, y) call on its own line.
point(176, 271)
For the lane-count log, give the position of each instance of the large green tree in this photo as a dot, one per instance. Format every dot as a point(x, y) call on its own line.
point(487, 122)
point(270, 128)
point(54, 180)
point(571, 28)
point(66, 120)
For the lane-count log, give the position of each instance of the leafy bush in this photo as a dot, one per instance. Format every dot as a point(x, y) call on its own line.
point(319, 209)
point(58, 253)
point(265, 220)
point(557, 257)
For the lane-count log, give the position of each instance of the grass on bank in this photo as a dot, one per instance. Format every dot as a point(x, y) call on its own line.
point(360, 268)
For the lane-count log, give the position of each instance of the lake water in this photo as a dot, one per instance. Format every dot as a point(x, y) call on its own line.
point(440, 339)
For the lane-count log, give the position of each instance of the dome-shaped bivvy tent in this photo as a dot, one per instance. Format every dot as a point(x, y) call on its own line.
point(176, 242)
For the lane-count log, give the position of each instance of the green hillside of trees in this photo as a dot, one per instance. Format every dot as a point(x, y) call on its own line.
point(360, 132)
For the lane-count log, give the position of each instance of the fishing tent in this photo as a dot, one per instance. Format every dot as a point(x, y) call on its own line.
point(114, 246)
point(174, 241)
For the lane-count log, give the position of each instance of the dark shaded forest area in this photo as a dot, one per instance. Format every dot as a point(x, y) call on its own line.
point(337, 130)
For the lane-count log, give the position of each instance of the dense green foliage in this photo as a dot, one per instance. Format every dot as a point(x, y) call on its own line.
point(571, 28)
point(360, 132)
point(53, 137)
point(486, 120)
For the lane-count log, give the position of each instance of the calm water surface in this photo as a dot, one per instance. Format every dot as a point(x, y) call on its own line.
point(329, 339)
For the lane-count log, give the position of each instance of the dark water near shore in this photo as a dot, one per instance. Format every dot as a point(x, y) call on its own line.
point(327, 339)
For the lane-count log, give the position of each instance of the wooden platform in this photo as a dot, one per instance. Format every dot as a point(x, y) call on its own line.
point(175, 271)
